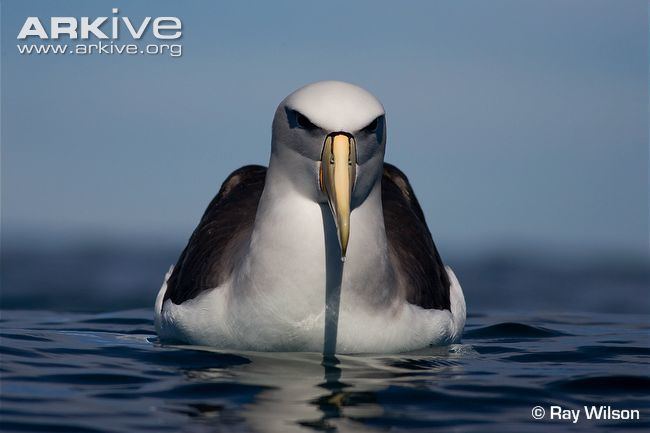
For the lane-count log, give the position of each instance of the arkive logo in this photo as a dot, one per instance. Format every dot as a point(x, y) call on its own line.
point(106, 30)
point(163, 27)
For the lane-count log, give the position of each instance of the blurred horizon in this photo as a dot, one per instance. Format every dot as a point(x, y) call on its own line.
point(20, 239)
point(89, 276)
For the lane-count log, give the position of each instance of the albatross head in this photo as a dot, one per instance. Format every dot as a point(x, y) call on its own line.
point(330, 138)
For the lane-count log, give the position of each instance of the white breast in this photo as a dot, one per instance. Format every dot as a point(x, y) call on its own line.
point(209, 320)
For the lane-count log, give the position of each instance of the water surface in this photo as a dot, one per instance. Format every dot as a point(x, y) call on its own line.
point(71, 372)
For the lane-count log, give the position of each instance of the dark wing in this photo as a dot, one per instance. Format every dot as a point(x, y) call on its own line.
point(224, 229)
point(411, 248)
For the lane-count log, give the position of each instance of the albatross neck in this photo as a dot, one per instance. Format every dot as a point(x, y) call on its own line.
point(294, 245)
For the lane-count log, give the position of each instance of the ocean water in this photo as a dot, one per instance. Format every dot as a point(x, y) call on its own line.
point(107, 372)
point(78, 353)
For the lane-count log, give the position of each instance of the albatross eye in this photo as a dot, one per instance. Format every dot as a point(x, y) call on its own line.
point(303, 122)
point(372, 126)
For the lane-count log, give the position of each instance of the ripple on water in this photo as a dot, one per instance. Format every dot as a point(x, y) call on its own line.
point(605, 385)
point(105, 373)
point(511, 330)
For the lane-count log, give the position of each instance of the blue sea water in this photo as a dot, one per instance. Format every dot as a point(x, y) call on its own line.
point(104, 370)
point(108, 373)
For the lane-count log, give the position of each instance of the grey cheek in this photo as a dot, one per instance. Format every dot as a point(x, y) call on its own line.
point(309, 146)
point(366, 150)
point(366, 178)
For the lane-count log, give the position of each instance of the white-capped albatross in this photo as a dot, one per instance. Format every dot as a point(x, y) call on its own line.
point(327, 230)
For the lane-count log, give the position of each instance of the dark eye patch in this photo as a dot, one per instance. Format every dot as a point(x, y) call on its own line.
point(304, 122)
point(372, 126)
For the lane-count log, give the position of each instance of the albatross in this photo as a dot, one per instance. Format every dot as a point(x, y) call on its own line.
point(327, 249)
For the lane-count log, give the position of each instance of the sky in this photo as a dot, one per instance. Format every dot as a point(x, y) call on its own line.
point(519, 123)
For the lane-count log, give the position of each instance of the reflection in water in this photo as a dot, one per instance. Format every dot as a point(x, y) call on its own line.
point(106, 373)
point(303, 392)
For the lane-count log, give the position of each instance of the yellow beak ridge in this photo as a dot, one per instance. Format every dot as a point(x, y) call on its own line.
point(337, 176)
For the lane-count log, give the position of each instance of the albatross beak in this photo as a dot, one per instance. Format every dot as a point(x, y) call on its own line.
point(337, 174)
